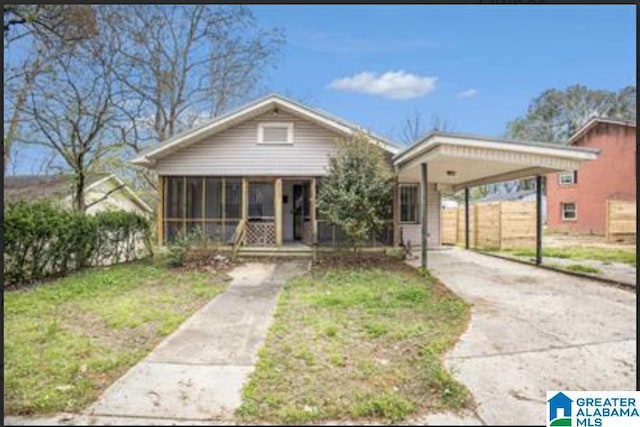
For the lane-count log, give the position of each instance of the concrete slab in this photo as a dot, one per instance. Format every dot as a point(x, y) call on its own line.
point(534, 330)
point(197, 373)
point(168, 390)
point(104, 420)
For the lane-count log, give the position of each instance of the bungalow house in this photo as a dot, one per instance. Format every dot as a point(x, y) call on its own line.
point(578, 199)
point(102, 192)
point(250, 177)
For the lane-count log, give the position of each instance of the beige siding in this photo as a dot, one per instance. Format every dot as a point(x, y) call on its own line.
point(412, 231)
point(236, 151)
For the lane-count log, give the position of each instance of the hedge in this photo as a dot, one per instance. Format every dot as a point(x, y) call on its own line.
point(42, 240)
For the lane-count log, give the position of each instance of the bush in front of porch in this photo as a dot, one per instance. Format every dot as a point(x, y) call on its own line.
point(356, 194)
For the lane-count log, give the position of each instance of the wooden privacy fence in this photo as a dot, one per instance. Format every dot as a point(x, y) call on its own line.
point(621, 220)
point(493, 225)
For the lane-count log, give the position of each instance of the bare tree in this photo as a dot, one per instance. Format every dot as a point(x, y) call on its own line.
point(180, 65)
point(33, 36)
point(51, 23)
point(414, 126)
point(70, 110)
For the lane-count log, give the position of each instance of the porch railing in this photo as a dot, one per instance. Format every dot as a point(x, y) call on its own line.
point(239, 236)
point(332, 235)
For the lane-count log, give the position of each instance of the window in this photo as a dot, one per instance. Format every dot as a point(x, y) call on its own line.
point(275, 133)
point(568, 177)
point(569, 211)
point(408, 203)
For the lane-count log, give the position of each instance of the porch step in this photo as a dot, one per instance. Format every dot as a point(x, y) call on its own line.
point(293, 251)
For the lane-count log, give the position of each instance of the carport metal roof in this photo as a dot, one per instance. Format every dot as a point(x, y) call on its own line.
point(459, 161)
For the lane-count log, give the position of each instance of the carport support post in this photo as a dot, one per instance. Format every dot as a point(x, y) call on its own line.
point(466, 217)
point(425, 190)
point(538, 219)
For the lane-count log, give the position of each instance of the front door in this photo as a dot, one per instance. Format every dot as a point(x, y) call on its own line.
point(299, 196)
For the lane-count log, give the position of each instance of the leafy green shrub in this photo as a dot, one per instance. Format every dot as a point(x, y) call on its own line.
point(181, 245)
point(42, 240)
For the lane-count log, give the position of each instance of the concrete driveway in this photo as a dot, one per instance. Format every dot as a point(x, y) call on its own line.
point(534, 330)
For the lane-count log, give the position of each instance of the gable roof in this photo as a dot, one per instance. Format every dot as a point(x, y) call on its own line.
point(58, 187)
point(42, 187)
point(253, 109)
point(593, 123)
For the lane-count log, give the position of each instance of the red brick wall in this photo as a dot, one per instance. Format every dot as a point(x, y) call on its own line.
point(611, 176)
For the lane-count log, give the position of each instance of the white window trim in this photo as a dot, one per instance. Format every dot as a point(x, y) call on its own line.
point(418, 206)
point(575, 205)
point(564, 174)
point(288, 125)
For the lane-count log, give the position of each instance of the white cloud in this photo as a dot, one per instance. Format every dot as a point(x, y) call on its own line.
point(467, 93)
point(392, 84)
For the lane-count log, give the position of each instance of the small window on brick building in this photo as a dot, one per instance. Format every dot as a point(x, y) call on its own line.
point(568, 177)
point(569, 211)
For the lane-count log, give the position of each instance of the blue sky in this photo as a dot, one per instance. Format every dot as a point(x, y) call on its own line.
point(476, 66)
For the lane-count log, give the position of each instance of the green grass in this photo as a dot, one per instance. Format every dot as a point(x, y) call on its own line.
point(65, 341)
point(579, 268)
point(581, 253)
point(350, 343)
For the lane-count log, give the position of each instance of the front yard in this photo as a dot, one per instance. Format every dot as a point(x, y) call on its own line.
point(65, 341)
point(358, 343)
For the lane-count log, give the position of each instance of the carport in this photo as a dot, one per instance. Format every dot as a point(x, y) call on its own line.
point(459, 161)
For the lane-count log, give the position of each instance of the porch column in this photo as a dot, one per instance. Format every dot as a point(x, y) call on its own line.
point(312, 206)
point(466, 217)
point(538, 219)
point(160, 213)
point(395, 212)
point(245, 199)
point(278, 210)
point(425, 191)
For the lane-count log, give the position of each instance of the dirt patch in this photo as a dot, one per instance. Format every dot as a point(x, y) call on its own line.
point(342, 259)
point(207, 260)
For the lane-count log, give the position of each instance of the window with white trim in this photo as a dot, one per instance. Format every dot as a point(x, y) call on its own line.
point(568, 177)
point(275, 133)
point(569, 211)
point(408, 194)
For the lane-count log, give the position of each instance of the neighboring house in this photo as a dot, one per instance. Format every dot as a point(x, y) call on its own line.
point(521, 196)
point(577, 200)
point(251, 176)
point(102, 192)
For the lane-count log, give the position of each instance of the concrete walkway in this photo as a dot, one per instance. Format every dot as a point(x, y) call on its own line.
point(534, 330)
point(197, 373)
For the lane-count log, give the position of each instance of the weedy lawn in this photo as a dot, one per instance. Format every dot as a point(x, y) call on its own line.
point(358, 343)
point(65, 341)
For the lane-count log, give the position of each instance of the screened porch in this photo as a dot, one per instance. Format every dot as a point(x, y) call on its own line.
point(250, 211)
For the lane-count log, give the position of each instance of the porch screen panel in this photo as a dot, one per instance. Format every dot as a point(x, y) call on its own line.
point(261, 201)
point(213, 208)
point(232, 206)
point(174, 207)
